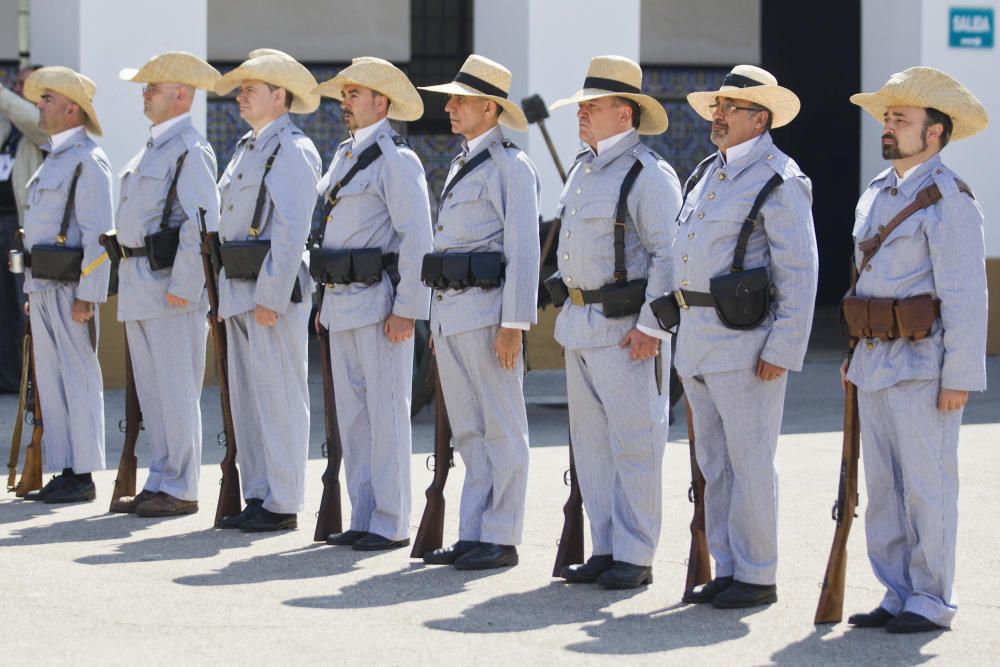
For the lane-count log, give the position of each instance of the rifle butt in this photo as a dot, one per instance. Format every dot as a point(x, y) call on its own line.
point(329, 520)
point(830, 608)
point(430, 535)
point(570, 550)
point(230, 500)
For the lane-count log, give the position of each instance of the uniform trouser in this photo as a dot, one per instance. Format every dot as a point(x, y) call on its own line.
point(910, 452)
point(618, 424)
point(737, 419)
point(11, 309)
point(168, 361)
point(372, 379)
point(269, 391)
point(70, 386)
point(489, 425)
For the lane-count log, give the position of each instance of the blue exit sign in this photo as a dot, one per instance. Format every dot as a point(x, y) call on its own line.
point(970, 28)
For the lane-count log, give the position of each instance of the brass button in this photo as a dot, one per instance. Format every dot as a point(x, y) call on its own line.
point(691, 235)
point(711, 195)
point(569, 279)
point(461, 163)
point(239, 176)
point(893, 191)
point(881, 228)
point(230, 207)
point(450, 194)
point(439, 297)
point(565, 256)
point(684, 282)
point(588, 169)
point(770, 157)
point(572, 212)
point(722, 177)
point(868, 268)
point(350, 154)
point(701, 215)
point(684, 258)
point(250, 146)
point(440, 228)
point(870, 345)
point(568, 234)
point(939, 171)
point(579, 191)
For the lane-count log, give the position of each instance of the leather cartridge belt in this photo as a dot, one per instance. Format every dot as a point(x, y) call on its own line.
point(686, 299)
point(890, 319)
point(141, 251)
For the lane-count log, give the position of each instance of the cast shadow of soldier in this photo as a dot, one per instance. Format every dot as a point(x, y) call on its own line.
point(89, 529)
point(186, 546)
point(856, 645)
point(559, 604)
point(16, 510)
point(416, 582)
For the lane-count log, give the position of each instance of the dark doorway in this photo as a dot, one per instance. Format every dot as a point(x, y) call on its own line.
point(817, 54)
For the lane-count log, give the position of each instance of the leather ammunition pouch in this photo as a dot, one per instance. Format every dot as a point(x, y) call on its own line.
point(54, 261)
point(615, 299)
point(244, 259)
point(363, 266)
point(461, 270)
point(556, 288)
point(889, 319)
point(742, 298)
point(161, 248)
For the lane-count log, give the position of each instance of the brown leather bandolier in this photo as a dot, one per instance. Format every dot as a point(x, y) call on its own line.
point(891, 319)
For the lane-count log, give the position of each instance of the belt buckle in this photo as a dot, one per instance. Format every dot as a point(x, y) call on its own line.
point(576, 296)
point(679, 298)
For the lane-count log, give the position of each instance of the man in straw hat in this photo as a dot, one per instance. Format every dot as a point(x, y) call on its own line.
point(375, 195)
point(69, 205)
point(490, 208)
point(912, 389)
point(614, 258)
point(267, 194)
point(163, 301)
point(735, 378)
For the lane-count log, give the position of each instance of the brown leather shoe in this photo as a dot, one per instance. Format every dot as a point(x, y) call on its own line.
point(164, 504)
point(127, 504)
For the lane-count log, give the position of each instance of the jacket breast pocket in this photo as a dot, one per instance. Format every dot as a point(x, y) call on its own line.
point(49, 191)
point(464, 193)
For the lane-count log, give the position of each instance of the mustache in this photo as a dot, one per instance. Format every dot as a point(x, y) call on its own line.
point(888, 137)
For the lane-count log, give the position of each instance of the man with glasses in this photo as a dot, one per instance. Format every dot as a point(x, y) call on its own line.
point(735, 377)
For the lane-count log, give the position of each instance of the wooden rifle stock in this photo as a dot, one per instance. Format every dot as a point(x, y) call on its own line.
point(570, 549)
point(125, 479)
point(830, 608)
point(31, 473)
point(329, 520)
point(22, 401)
point(230, 497)
point(699, 565)
point(430, 535)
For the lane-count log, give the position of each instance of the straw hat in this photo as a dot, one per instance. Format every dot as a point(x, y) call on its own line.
point(278, 69)
point(746, 82)
point(63, 80)
point(928, 88)
point(174, 67)
point(384, 78)
point(481, 77)
point(620, 77)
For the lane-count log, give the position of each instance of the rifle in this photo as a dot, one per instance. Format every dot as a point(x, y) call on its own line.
point(230, 498)
point(328, 520)
point(31, 473)
point(430, 535)
point(571, 541)
point(130, 426)
point(699, 564)
point(536, 112)
point(22, 401)
point(830, 608)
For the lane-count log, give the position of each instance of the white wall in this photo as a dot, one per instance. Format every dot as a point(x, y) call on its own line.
point(547, 45)
point(897, 34)
point(310, 30)
point(700, 32)
point(8, 29)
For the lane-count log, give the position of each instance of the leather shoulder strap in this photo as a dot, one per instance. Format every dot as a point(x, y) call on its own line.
point(262, 194)
point(926, 197)
point(477, 159)
point(168, 206)
point(751, 220)
point(621, 213)
point(70, 205)
point(365, 159)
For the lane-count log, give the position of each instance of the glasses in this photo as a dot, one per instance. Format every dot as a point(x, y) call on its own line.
point(153, 88)
point(729, 108)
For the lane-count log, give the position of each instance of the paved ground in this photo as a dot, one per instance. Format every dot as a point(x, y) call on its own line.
point(82, 586)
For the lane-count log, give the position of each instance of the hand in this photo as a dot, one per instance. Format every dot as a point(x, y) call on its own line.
point(430, 344)
point(507, 345)
point(397, 329)
point(843, 374)
point(176, 301)
point(767, 371)
point(265, 317)
point(27, 308)
point(952, 399)
point(82, 311)
point(317, 325)
point(643, 345)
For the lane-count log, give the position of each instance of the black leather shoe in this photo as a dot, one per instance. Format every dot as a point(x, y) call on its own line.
point(587, 573)
point(909, 622)
point(54, 483)
point(740, 595)
point(346, 538)
point(73, 490)
point(876, 618)
point(487, 557)
point(254, 505)
point(706, 592)
point(624, 575)
point(448, 555)
point(375, 542)
point(265, 521)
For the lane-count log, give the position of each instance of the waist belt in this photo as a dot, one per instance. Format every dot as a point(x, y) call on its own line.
point(461, 270)
point(141, 251)
point(686, 299)
point(890, 319)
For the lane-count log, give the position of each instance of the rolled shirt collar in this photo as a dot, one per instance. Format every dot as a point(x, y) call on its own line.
point(60, 138)
point(157, 131)
point(604, 144)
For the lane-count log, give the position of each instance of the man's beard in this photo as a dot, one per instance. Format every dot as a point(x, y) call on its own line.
point(892, 151)
point(718, 134)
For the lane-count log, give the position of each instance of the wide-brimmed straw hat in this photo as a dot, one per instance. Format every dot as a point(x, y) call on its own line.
point(174, 67)
point(746, 82)
point(384, 78)
point(619, 77)
point(77, 87)
point(928, 88)
point(278, 69)
point(481, 77)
